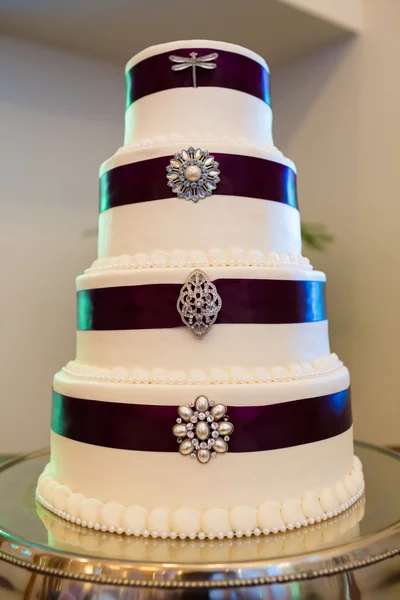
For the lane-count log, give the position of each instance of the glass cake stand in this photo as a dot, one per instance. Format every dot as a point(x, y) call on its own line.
point(356, 555)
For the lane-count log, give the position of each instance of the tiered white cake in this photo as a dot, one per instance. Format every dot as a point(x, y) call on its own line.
point(203, 400)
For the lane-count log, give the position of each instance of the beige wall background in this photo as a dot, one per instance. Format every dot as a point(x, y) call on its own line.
point(336, 114)
point(60, 116)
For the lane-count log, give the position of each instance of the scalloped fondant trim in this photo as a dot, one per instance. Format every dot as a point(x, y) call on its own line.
point(234, 375)
point(196, 137)
point(185, 522)
point(234, 257)
point(338, 526)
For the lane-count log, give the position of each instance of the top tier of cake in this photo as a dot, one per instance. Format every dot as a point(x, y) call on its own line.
point(232, 98)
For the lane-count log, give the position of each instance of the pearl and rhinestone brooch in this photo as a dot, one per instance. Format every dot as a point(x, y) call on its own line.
point(202, 429)
point(193, 174)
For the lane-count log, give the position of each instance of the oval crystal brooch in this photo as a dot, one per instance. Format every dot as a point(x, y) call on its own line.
point(199, 303)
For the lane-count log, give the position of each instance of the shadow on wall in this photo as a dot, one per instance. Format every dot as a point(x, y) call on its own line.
point(309, 76)
point(30, 68)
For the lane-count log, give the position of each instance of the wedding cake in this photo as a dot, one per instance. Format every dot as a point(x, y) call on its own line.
point(203, 400)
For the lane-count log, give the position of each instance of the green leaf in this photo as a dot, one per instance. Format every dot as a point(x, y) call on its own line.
point(315, 236)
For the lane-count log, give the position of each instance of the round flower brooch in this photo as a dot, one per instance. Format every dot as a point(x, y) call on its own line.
point(202, 429)
point(193, 174)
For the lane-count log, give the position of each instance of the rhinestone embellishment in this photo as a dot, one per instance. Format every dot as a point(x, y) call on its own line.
point(199, 303)
point(193, 174)
point(193, 61)
point(202, 429)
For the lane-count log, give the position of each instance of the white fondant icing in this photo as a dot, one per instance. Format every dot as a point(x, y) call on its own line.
point(158, 520)
point(185, 520)
point(196, 138)
point(215, 519)
point(74, 503)
point(187, 109)
point(228, 394)
point(101, 472)
point(357, 476)
point(306, 367)
point(235, 257)
point(340, 490)
point(350, 485)
point(43, 482)
point(67, 536)
point(90, 510)
point(135, 518)
point(243, 518)
point(179, 275)
point(234, 375)
point(224, 347)
point(110, 514)
point(147, 149)
point(311, 505)
point(292, 513)
point(172, 222)
point(269, 517)
point(329, 500)
point(42, 476)
point(61, 495)
point(49, 489)
point(279, 374)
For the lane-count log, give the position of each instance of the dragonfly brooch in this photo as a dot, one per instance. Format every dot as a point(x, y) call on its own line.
point(193, 61)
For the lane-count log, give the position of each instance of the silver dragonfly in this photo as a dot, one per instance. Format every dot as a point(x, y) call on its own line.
point(193, 61)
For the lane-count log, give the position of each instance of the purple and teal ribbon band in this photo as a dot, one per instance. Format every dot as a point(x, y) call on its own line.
point(244, 301)
point(233, 71)
point(148, 428)
point(247, 176)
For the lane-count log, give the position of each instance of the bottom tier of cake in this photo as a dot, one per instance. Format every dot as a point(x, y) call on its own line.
point(186, 522)
point(115, 464)
point(182, 520)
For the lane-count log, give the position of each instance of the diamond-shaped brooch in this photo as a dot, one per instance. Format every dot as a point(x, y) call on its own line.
point(193, 174)
point(199, 303)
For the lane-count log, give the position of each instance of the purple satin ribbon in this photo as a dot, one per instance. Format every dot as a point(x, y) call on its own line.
point(246, 176)
point(148, 428)
point(234, 71)
point(244, 301)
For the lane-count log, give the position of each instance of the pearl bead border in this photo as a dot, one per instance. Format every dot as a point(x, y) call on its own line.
point(211, 258)
point(154, 377)
point(202, 535)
